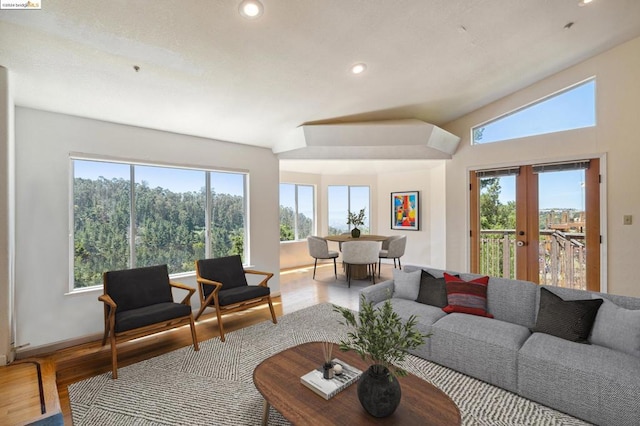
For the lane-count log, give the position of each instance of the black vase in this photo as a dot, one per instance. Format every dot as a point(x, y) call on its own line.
point(378, 395)
point(355, 233)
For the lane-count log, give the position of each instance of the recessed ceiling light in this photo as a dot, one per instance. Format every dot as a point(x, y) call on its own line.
point(251, 9)
point(358, 68)
point(584, 2)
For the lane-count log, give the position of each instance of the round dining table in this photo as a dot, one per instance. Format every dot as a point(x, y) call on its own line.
point(341, 238)
point(359, 271)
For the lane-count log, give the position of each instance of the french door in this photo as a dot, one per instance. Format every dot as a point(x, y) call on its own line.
point(539, 223)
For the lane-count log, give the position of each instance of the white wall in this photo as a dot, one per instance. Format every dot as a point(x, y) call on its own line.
point(425, 246)
point(45, 314)
point(616, 134)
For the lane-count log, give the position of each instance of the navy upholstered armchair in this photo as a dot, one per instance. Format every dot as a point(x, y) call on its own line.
point(139, 302)
point(222, 284)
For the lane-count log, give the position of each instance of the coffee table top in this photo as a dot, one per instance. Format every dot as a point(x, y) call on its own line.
point(278, 380)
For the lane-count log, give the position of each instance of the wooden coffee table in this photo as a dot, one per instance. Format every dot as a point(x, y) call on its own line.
point(278, 380)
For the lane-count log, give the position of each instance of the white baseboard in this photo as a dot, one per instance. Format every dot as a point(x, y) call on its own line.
point(3, 360)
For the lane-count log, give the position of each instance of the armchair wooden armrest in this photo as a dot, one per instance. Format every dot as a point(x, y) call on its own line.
point(262, 283)
point(109, 315)
point(191, 290)
point(108, 300)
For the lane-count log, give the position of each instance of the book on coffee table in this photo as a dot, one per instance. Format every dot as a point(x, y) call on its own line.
point(328, 388)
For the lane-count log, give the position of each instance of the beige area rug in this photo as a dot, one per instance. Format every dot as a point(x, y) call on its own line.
point(214, 386)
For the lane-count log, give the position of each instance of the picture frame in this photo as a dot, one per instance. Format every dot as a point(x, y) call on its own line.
point(405, 210)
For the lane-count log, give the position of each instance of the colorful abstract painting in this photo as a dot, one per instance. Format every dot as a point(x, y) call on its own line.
point(405, 211)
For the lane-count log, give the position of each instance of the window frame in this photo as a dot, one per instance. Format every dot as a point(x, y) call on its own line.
point(532, 104)
point(296, 210)
point(131, 261)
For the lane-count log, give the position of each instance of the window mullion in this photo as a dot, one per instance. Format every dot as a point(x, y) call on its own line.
point(296, 234)
point(132, 217)
point(207, 215)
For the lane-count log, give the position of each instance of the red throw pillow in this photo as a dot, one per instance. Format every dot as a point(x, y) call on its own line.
point(467, 297)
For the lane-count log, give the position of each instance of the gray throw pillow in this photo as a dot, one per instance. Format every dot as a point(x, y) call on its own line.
point(617, 328)
point(406, 285)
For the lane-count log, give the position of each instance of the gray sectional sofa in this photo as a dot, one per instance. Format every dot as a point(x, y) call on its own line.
point(598, 382)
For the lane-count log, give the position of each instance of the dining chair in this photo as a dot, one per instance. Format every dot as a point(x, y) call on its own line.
point(319, 249)
point(392, 248)
point(360, 253)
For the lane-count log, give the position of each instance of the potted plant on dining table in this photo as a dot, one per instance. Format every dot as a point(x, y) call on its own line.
point(355, 220)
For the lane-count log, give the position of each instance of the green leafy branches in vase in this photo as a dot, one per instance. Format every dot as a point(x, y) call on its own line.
point(355, 220)
point(381, 337)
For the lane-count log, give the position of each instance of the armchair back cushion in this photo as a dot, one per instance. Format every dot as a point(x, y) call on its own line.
point(227, 270)
point(139, 287)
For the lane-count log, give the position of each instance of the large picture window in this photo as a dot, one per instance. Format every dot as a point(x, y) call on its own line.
point(297, 211)
point(343, 199)
point(131, 215)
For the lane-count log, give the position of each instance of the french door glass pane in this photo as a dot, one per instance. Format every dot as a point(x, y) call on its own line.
point(170, 228)
point(562, 219)
point(497, 226)
point(101, 213)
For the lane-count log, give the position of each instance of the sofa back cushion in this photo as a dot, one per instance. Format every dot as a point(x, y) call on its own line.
point(617, 328)
point(513, 301)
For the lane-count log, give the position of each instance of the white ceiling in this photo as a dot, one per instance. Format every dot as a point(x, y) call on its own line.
point(206, 71)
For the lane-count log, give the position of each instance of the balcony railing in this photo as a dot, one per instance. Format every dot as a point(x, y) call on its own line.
point(561, 257)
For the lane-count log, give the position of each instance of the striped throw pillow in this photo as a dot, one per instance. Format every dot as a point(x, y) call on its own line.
point(467, 297)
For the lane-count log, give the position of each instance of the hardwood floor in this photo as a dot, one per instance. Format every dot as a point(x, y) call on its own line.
point(297, 291)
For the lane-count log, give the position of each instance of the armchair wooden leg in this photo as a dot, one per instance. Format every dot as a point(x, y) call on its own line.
point(379, 268)
point(273, 313)
point(114, 357)
point(335, 268)
point(399, 264)
point(193, 334)
point(314, 268)
point(220, 327)
point(203, 306)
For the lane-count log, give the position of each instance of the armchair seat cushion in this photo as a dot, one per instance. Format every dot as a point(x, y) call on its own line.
point(152, 314)
point(240, 294)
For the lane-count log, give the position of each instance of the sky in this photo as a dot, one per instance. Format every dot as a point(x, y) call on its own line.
point(174, 179)
point(557, 190)
point(571, 109)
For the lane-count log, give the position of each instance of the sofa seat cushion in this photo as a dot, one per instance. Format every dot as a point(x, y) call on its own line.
point(484, 348)
point(136, 318)
point(426, 315)
point(591, 382)
point(240, 294)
